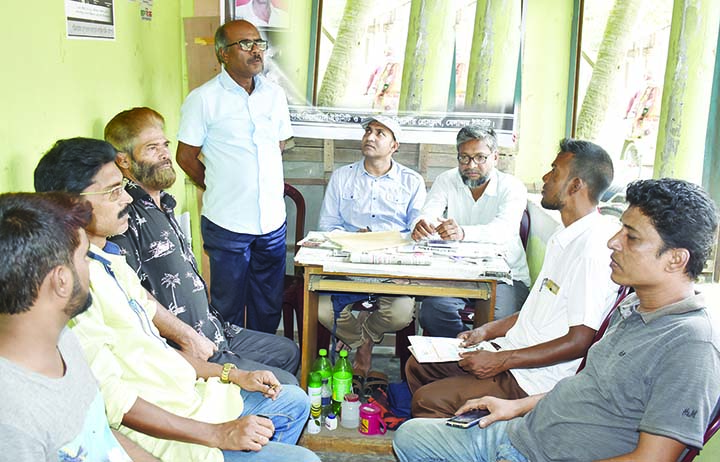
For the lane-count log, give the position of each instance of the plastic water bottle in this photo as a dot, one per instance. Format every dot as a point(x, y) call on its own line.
point(326, 398)
point(342, 381)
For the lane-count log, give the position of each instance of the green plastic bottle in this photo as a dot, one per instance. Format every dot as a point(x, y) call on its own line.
point(342, 381)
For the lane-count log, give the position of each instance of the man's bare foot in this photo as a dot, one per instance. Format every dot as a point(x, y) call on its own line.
point(363, 358)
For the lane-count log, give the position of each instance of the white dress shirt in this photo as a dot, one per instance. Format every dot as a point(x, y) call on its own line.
point(572, 289)
point(239, 135)
point(494, 217)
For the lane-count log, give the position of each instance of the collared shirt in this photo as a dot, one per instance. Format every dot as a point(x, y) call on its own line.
point(130, 360)
point(355, 199)
point(156, 248)
point(494, 217)
point(651, 372)
point(239, 135)
point(572, 289)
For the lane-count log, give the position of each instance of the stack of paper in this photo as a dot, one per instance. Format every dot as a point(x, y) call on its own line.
point(441, 349)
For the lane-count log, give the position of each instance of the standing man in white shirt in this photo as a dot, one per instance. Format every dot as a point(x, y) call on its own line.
point(239, 122)
point(475, 202)
point(542, 343)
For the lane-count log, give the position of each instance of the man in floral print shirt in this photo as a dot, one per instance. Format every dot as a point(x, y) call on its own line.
point(156, 248)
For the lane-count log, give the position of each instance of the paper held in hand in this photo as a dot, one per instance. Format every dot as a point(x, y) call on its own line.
point(441, 349)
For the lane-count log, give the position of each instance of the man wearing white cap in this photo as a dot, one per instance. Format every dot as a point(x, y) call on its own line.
point(373, 194)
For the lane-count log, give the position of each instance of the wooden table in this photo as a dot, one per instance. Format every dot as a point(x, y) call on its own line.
point(317, 279)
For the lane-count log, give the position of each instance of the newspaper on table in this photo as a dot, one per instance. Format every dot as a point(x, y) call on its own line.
point(441, 349)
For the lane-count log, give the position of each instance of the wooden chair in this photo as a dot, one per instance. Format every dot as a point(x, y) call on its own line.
point(292, 306)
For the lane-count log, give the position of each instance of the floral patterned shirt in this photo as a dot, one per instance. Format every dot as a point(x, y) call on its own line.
point(156, 248)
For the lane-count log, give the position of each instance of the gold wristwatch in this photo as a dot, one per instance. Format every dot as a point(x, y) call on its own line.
point(225, 376)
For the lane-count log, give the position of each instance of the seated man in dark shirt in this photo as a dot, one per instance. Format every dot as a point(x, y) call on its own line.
point(157, 249)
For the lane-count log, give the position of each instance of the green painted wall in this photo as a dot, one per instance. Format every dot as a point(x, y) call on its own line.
point(546, 60)
point(52, 87)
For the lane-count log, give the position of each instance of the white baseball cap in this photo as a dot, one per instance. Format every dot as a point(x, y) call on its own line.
point(390, 122)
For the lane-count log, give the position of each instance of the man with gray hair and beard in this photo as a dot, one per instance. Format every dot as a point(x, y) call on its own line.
point(475, 202)
point(156, 248)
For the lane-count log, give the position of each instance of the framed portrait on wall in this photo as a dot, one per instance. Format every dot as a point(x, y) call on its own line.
point(265, 14)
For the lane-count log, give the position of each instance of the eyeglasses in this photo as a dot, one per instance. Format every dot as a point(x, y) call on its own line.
point(247, 44)
point(113, 193)
point(479, 159)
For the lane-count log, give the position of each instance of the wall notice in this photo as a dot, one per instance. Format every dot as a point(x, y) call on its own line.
point(90, 19)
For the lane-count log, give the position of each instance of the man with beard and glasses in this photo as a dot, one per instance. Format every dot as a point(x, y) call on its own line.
point(156, 248)
point(475, 202)
point(171, 402)
point(239, 122)
point(44, 378)
point(544, 341)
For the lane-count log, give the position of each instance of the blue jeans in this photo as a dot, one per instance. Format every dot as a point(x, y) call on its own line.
point(430, 440)
point(440, 315)
point(246, 271)
point(289, 413)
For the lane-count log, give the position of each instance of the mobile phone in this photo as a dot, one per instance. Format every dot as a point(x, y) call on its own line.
point(467, 419)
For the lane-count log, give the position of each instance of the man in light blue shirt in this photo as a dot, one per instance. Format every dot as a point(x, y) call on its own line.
point(373, 194)
point(239, 120)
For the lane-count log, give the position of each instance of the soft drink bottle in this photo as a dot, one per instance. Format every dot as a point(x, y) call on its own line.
point(323, 367)
point(342, 381)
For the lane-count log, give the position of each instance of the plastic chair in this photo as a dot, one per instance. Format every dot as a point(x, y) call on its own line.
point(292, 306)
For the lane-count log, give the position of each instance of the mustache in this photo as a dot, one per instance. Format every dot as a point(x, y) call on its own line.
point(254, 59)
point(124, 212)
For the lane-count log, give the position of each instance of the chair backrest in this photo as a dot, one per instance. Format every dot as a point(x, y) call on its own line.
point(299, 201)
point(525, 228)
point(622, 292)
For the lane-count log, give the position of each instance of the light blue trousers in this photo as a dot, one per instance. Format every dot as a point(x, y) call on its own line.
point(289, 413)
point(430, 440)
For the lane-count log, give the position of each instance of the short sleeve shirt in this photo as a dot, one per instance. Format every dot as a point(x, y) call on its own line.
point(655, 372)
point(239, 134)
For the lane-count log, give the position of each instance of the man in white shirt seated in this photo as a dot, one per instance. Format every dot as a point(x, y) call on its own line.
point(475, 202)
point(535, 348)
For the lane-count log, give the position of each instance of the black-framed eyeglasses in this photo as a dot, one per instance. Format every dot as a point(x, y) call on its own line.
point(479, 159)
point(113, 193)
point(247, 44)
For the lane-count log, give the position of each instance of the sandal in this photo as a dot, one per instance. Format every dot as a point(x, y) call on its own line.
point(375, 380)
point(358, 384)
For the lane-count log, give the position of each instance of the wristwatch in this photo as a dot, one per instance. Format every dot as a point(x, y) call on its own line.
point(225, 376)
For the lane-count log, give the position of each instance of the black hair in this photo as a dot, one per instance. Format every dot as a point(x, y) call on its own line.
point(683, 215)
point(38, 232)
point(70, 165)
point(590, 163)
